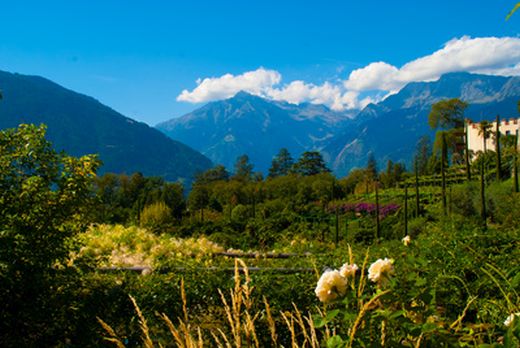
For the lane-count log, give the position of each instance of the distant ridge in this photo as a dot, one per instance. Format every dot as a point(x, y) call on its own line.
point(81, 125)
point(390, 129)
point(248, 124)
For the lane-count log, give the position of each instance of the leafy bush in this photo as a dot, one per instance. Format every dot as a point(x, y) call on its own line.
point(44, 201)
point(107, 245)
point(156, 216)
point(464, 199)
point(503, 205)
point(239, 216)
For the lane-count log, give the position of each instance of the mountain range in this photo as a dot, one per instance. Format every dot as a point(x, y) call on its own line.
point(221, 131)
point(390, 129)
point(80, 125)
point(247, 124)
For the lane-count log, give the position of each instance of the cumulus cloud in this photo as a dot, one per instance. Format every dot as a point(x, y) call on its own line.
point(214, 88)
point(375, 76)
point(264, 82)
point(372, 83)
point(328, 94)
point(490, 55)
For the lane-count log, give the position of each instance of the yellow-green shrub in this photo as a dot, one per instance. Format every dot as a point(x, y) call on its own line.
point(156, 216)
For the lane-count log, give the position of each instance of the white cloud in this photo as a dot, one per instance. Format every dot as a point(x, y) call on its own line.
point(263, 82)
point(507, 71)
point(375, 76)
point(491, 55)
point(328, 94)
point(372, 83)
point(226, 86)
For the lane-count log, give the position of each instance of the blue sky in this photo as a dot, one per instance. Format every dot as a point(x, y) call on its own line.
point(138, 57)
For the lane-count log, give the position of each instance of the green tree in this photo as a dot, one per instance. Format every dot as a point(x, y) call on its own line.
point(371, 169)
point(243, 168)
point(440, 146)
point(199, 199)
point(440, 150)
point(353, 179)
point(484, 130)
point(509, 154)
point(107, 188)
point(43, 195)
point(498, 150)
point(447, 114)
point(44, 201)
point(310, 163)
point(422, 155)
point(217, 173)
point(448, 117)
point(172, 194)
point(281, 164)
point(393, 174)
point(387, 175)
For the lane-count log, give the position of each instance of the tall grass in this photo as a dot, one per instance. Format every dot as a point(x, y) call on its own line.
point(241, 322)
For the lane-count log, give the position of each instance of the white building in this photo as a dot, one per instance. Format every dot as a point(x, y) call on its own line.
point(475, 140)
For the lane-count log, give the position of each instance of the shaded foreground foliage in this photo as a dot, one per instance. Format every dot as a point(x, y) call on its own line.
point(454, 285)
point(44, 201)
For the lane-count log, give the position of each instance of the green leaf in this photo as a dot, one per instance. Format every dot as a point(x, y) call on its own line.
point(429, 327)
point(331, 315)
point(335, 342)
point(420, 282)
point(319, 321)
point(516, 281)
point(349, 316)
point(396, 314)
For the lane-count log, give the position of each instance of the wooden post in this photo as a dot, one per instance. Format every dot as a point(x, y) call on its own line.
point(443, 173)
point(337, 226)
point(406, 211)
point(515, 164)
point(468, 165)
point(483, 196)
point(417, 201)
point(378, 227)
point(497, 149)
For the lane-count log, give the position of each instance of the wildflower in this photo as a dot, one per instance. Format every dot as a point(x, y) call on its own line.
point(380, 270)
point(406, 240)
point(348, 270)
point(330, 286)
point(511, 319)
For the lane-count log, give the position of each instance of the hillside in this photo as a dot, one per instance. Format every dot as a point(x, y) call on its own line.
point(81, 125)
